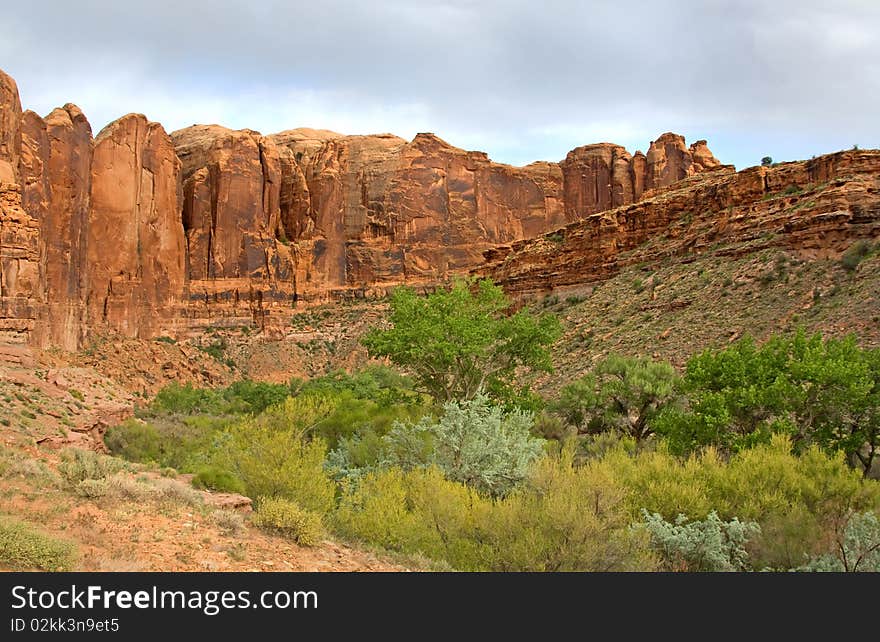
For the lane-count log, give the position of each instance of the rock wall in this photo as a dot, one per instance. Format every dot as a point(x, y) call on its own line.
point(815, 208)
point(141, 233)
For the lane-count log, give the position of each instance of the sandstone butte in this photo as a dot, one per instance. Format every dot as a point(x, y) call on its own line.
point(143, 233)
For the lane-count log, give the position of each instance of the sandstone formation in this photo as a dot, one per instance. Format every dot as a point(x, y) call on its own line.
point(815, 208)
point(140, 233)
point(135, 247)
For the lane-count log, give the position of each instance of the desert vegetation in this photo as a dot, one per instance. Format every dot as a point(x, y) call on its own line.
point(750, 457)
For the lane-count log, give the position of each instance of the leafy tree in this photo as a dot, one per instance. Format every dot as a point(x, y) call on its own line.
point(621, 394)
point(474, 442)
point(767, 161)
point(463, 341)
point(818, 391)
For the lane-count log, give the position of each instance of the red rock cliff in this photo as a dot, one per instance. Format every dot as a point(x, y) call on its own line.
point(142, 233)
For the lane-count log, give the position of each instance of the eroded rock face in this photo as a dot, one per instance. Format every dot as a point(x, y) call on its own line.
point(22, 312)
point(383, 211)
point(65, 229)
point(232, 182)
point(10, 139)
point(139, 233)
point(135, 246)
point(815, 208)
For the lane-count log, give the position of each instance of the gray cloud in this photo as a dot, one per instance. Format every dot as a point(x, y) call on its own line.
point(521, 80)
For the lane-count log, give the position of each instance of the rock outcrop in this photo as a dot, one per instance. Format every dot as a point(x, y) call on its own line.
point(814, 208)
point(140, 233)
point(135, 246)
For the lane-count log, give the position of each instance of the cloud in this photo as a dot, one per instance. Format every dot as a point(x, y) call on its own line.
point(520, 80)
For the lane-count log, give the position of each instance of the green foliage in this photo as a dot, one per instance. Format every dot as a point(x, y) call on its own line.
point(824, 392)
point(273, 455)
point(463, 341)
point(796, 500)
point(289, 519)
point(254, 396)
point(215, 478)
point(709, 545)
point(135, 440)
point(185, 399)
point(23, 548)
point(621, 394)
point(567, 519)
point(767, 161)
point(474, 442)
point(855, 254)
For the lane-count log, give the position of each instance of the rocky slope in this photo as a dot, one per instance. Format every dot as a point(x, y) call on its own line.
point(815, 208)
point(140, 233)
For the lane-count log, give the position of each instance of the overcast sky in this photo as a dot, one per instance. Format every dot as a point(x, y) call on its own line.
point(521, 80)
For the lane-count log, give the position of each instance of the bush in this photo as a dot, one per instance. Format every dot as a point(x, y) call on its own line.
point(289, 519)
point(796, 500)
point(135, 440)
point(709, 545)
point(855, 254)
point(474, 442)
point(273, 456)
point(78, 465)
point(229, 522)
point(856, 547)
point(214, 478)
point(23, 548)
point(566, 519)
point(185, 399)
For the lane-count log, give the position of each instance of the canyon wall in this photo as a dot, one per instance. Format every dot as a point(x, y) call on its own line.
point(815, 208)
point(144, 233)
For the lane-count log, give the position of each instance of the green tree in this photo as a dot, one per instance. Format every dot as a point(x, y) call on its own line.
point(463, 341)
point(621, 394)
point(767, 161)
point(818, 391)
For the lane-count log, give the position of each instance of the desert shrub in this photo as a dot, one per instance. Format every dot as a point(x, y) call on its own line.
point(229, 522)
point(376, 382)
point(176, 492)
point(855, 254)
point(352, 415)
point(273, 455)
point(289, 519)
point(708, 545)
point(23, 548)
point(473, 442)
point(135, 440)
point(78, 465)
point(18, 465)
point(186, 399)
point(93, 488)
point(254, 396)
point(796, 500)
point(856, 547)
point(566, 519)
point(174, 441)
point(215, 478)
